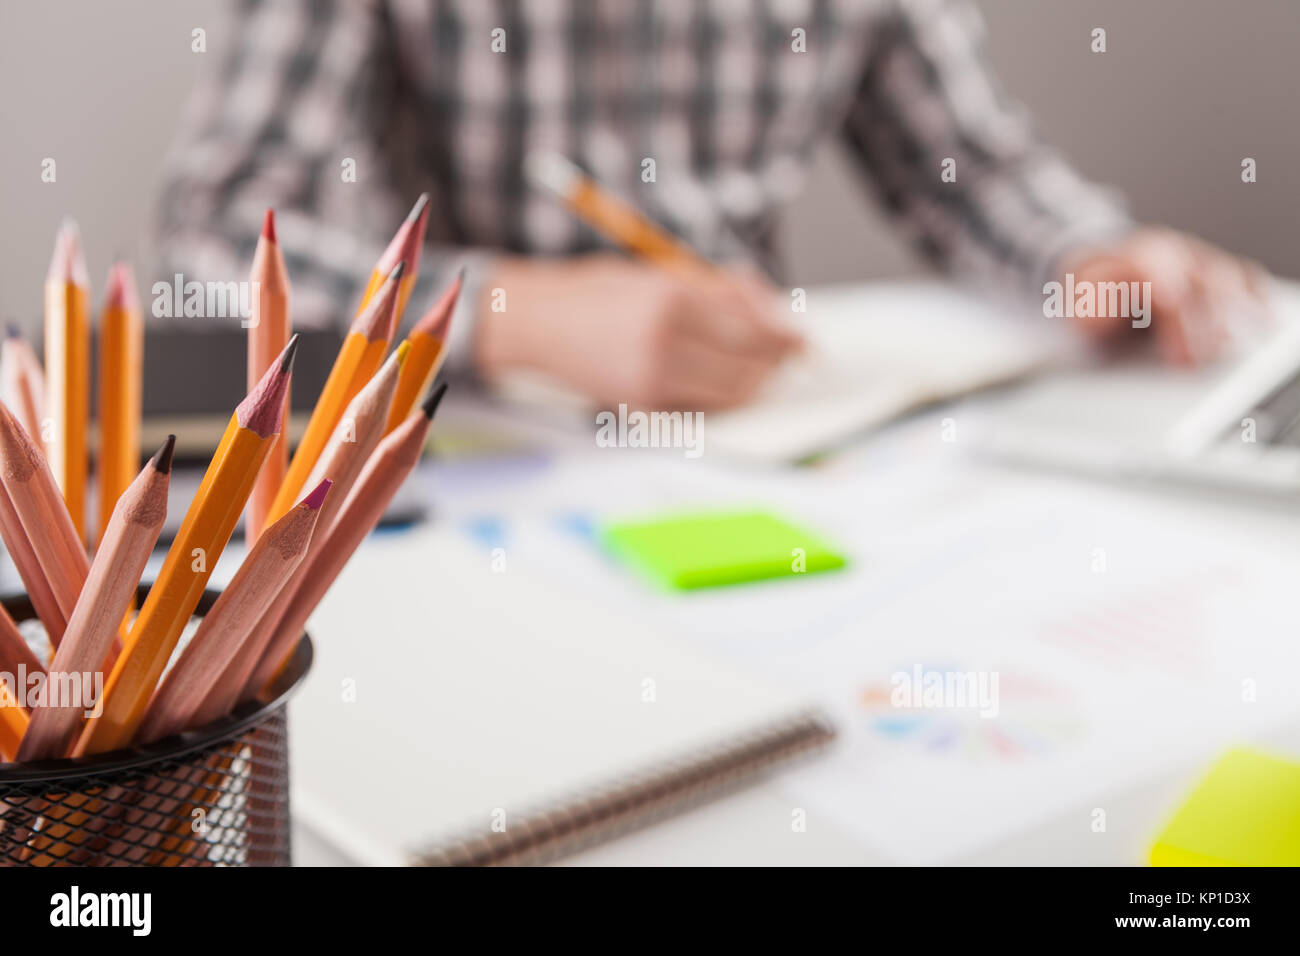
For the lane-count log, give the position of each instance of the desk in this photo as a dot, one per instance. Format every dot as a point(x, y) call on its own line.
point(893, 500)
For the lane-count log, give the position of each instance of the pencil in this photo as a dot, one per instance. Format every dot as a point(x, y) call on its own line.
point(128, 540)
point(405, 247)
point(264, 571)
point(121, 357)
point(355, 437)
point(45, 520)
point(23, 383)
point(202, 537)
point(268, 333)
point(384, 471)
point(363, 351)
point(67, 360)
point(29, 569)
point(610, 216)
point(428, 338)
point(14, 649)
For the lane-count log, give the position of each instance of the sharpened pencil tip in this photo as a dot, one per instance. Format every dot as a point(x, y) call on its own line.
point(286, 357)
point(398, 270)
point(268, 226)
point(317, 496)
point(400, 353)
point(162, 458)
point(431, 403)
point(418, 209)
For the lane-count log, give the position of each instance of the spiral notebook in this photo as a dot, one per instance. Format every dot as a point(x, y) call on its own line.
point(524, 723)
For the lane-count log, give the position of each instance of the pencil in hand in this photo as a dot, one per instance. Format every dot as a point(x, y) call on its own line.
point(129, 539)
point(227, 625)
point(202, 537)
point(67, 369)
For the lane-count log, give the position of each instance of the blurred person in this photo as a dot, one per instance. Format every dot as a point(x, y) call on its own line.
point(338, 112)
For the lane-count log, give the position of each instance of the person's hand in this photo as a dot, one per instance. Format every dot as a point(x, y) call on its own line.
point(624, 331)
point(1201, 297)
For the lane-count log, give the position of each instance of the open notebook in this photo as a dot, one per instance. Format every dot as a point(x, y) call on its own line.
point(457, 714)
point(874, 352)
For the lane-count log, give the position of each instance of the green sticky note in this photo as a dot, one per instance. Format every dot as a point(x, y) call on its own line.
point(707, 550)
point(1246, 812)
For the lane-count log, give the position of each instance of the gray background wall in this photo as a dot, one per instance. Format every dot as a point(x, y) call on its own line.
point(1186, 89)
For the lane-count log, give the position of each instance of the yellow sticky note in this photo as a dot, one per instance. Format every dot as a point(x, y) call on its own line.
point(1246, 812)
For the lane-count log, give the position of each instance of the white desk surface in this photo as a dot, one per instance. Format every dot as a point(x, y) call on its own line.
point(752, 827)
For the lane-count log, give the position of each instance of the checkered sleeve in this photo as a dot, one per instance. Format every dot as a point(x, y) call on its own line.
point(294, 106)
point(1008, 207)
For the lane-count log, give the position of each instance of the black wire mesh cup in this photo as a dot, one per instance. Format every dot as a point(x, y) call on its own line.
point(214, 796)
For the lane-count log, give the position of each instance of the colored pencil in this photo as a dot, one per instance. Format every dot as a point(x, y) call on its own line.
point(45, 519)
point(22, 383)
point(264, 571)
point(13, 723)
point(202, 537)
point(428, 339)
point(362, 352)
point(121, 360)
point(128, 540)
point(385, 470)
point(268, 333)
point(67, 369)
point(405, 247)
point(29, 569)
point(355, 437)
point(14, 649)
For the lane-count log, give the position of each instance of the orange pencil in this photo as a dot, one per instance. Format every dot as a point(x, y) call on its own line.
point(22, 384)
point(129, 539)
point(45, 519)
point(363, 351)
point(428, 338)
point(405, 247)
point(268, 333)
point(203, 535)
point(121, 359)
point(384, 472)
point(355, 437)
point(13, 723)
point(67, 361)
point(265, 570)
point(610, 216)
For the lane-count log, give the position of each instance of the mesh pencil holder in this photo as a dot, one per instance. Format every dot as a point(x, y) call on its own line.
point(215, 796)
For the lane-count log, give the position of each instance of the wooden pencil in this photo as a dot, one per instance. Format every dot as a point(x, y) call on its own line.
point(29, 569)
point(385, 470)
point(14, 649)
point(67, 361)
point(354, 438)
point(202, 537)
point(128, 540)
point(121, 360)
point(264, 571)
point(405, 247)
point(22, 386)
point(45, 519)
point(428, 339)
point(362, 352)
point(268, 333)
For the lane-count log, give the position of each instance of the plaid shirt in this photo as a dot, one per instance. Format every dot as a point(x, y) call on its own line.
point(728, 97)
